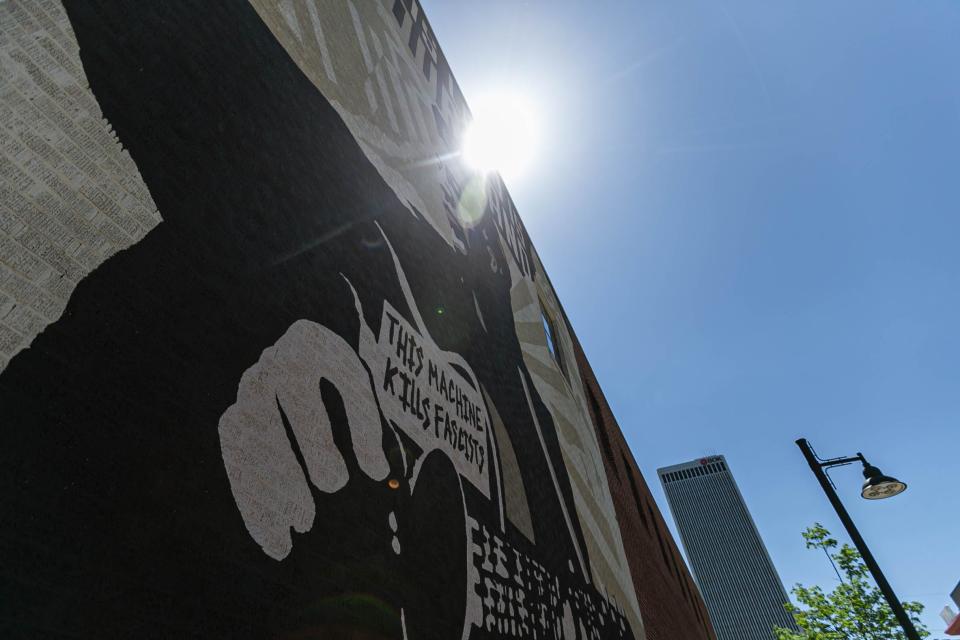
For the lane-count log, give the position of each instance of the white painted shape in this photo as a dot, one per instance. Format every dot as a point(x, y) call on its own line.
point(289, 14)
point(321, 40)
point(469, 451)
point(266, 479)
point(361, 39)
point(72, 196)
point(387, 101)
point(476, 306)
point(553, 476)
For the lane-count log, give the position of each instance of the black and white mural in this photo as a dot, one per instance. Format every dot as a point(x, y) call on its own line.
point(273, 359)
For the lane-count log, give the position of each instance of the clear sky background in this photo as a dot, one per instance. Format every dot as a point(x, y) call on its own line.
point(751, 213)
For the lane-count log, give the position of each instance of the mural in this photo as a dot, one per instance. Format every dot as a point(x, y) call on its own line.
point(71, 194)
point(274, 359)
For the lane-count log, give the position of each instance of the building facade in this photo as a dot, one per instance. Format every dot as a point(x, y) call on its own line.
point(275, 363)
point(950, 618)
point(731, 565)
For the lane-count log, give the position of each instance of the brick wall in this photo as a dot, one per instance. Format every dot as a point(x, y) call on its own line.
point(669, 599)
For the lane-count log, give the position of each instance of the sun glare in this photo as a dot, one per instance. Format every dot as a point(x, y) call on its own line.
point(502, 136)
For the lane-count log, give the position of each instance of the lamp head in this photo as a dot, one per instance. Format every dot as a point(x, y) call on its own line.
point(878, 486)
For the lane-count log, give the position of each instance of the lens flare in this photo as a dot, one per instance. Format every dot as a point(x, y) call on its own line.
point(473, 201)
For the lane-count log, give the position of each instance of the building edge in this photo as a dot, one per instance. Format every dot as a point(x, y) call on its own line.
point(670, 600)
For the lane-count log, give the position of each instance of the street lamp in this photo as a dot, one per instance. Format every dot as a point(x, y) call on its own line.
point(876, 487)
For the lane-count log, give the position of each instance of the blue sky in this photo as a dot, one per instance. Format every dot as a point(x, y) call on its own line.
point(751, 212)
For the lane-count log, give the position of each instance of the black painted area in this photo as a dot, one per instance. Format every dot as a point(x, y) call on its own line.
point(435, 551)
point(117, 517)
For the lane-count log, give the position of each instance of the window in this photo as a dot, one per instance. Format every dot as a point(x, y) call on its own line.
point(601, 429)
point(663, 549)
point(553, 344)
point(636, 492)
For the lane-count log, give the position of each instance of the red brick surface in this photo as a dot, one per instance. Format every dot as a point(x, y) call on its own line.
point(670, 602)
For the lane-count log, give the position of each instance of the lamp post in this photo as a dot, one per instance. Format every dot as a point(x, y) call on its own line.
point(876, 487)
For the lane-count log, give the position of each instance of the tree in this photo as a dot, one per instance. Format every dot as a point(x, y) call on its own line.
point(854, 610)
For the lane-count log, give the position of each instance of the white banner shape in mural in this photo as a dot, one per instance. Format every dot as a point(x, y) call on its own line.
point(429, 396)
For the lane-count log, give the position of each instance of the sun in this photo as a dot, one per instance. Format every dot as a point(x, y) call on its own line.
point(502, 136)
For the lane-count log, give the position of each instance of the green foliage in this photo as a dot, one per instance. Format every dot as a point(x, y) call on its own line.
point(854, 610)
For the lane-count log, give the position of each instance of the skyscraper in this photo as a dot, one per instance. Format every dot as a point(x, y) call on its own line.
point(731, 565)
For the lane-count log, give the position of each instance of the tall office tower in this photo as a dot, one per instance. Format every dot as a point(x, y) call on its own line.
point(731, 565)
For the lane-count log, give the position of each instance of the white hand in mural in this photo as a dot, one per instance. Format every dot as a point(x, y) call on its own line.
point(279, 428)
point(277, 438)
